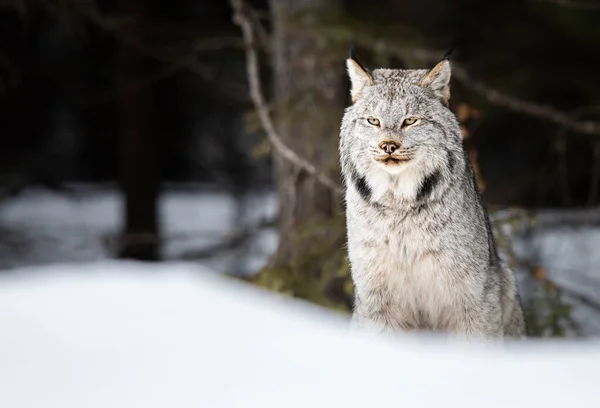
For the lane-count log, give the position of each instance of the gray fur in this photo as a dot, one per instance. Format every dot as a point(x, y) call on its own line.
point(421, 249)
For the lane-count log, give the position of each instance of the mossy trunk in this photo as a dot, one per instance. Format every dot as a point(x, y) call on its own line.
point(309, 97)
point(305, 88)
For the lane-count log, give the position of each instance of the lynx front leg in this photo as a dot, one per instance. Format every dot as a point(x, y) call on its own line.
point(363, 319)
point(380, 318)
point(478, 324)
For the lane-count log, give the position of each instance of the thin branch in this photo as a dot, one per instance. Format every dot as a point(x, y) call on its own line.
point(589, 302)
point(543, 112)
point(495, 97)
point(233, 242)
point(241, 19)
point(261, 33)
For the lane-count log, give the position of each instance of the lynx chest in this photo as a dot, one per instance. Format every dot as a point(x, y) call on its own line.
point(401, 271)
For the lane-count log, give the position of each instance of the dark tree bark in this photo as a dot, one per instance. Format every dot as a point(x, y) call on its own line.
point(309, 88)
point(139, 173)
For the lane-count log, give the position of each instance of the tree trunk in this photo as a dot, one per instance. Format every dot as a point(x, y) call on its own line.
point(309, 98)
point(139, 174)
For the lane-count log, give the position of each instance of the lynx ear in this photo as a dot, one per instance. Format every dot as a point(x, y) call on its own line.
point(359, 76)
point(438, 80)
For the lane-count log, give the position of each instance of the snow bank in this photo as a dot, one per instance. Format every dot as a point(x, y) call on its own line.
point(40, 227)
point(129, 335)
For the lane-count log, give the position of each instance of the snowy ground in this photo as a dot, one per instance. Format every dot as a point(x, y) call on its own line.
point(125, 335)
point(40, 227)
point(566, 245)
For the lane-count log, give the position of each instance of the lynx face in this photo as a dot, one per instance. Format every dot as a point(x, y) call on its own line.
point(399, 125)
point(397, 131)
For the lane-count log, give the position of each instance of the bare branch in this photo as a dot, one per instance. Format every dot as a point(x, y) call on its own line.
point(261, 33)
point(241, 19)
point(495, 97)
point(586, 300)
point(232, 242)
point(543, 112)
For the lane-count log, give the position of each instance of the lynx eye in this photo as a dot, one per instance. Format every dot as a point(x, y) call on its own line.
point(373, 121)
point(409, 121)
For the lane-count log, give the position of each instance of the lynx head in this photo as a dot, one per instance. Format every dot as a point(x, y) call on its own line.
point(399, 131)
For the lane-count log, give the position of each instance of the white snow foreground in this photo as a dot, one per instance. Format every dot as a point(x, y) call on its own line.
point(115, 334)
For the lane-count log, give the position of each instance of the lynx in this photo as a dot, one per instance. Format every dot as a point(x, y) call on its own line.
point(420, 245)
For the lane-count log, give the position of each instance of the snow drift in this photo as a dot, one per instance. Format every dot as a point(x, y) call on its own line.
point(119, 334)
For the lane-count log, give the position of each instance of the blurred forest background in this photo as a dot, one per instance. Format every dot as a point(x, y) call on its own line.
point(207, 131)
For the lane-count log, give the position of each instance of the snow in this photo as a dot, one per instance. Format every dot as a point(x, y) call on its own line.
point(574, 263)
point(565, 245)
point(123, 334)
point(39, 227)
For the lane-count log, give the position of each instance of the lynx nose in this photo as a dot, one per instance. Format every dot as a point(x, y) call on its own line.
point(388, 146)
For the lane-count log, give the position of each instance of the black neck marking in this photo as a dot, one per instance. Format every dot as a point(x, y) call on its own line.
point(360, 183)
point(428, 185)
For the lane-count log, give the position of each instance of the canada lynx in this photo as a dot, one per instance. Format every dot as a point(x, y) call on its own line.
point(421, 249)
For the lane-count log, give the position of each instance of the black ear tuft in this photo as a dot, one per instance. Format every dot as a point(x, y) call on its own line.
point(458, 43)
point(450, 52)
point(351, 51)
